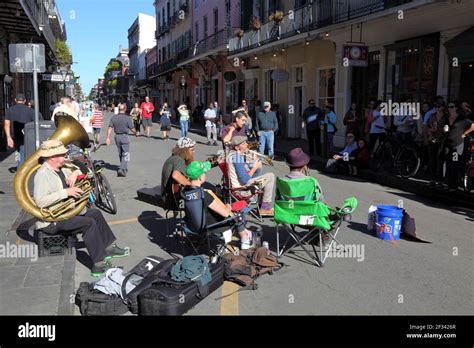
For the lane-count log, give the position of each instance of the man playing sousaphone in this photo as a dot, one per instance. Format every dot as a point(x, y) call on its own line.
point(53, 183)
point(243, 172)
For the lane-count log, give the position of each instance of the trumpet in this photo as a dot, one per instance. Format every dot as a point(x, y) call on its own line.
point(255, 155)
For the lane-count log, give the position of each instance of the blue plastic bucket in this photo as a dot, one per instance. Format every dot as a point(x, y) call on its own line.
point(389, 222)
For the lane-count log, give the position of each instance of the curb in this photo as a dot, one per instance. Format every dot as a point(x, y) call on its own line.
point(441, 196)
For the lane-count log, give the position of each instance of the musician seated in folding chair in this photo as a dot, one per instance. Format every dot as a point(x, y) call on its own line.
point(173, 173)
point(204, 209)
point(244, 172)
point(297, 161)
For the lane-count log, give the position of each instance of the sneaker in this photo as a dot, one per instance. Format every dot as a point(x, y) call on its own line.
point(97, 271)
point(208, 143)
point(116, 251)
point(215, 143)
point(121, 173)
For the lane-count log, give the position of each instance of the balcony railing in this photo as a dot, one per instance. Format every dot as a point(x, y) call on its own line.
point(166, 66)
point(216, 40)
point(317, 14)
point(40, 20)
point(55, 18)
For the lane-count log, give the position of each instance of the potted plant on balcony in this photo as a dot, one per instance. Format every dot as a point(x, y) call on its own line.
point(239, 33)
point(255, 23)
point(276, 17)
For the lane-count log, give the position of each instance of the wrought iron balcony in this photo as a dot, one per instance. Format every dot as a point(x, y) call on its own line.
point(216, 40)
point(316, 14)
point(166, 66)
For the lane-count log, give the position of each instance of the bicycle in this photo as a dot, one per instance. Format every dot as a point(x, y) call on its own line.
point(103, 196)
point(397, 155)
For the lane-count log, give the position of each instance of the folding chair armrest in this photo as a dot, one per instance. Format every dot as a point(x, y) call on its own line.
point(237, 216)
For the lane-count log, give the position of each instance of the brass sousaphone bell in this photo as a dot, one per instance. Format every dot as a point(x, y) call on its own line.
point(68, 131)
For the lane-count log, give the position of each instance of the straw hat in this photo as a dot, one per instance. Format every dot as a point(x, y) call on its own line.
point(50, 148)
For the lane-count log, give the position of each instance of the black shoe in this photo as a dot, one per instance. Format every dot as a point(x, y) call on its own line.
point(121, 173)
point(215, 143)
point(208, 143)
point(97, 271)
point(116, 252)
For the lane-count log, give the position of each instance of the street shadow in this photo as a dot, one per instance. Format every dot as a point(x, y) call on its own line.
point(5, 155)
point(160, 232)
point(109, 166)
point(467, 213)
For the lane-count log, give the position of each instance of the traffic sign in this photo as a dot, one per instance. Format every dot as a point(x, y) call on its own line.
point(21, 58)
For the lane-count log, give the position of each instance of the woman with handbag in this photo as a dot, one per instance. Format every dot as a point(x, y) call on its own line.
point(136, 114)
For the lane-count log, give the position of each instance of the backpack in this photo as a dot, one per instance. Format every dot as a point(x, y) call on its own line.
point(250, 264)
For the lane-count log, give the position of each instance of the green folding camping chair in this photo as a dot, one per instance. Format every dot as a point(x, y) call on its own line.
point(298, 208)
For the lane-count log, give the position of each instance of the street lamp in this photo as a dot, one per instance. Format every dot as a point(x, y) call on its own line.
point(63, 70)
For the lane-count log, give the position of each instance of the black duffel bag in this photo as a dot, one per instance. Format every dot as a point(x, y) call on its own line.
point(93, 302)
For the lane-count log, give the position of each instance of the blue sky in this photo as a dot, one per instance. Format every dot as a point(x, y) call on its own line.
point(95, 29)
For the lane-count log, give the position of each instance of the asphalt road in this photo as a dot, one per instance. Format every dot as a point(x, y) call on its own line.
point(409, 278)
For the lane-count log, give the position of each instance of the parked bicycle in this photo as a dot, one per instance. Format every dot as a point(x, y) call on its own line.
point(103, 196)
point(394, 155)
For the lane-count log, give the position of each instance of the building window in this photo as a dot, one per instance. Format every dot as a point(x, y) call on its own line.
point(299, 75)
point(326, 86)
point(216, 20)
point(205, 26)
point(197, 31)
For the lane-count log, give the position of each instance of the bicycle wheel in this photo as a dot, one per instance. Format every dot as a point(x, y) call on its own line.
point(407, 162)
point(106, 197)
point(379, 158)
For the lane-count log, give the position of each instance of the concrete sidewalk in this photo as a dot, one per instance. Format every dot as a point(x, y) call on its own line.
point(413, 185)
point(29, 285)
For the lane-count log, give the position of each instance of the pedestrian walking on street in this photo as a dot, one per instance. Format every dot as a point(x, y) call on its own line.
point(17, 116)
point(436, 131)
point(121, 124)
point(219, 119)
point(147, 113)
point(267, 125)
point(97, 121)
point(376, 124)
point(249, 123)
point(165, 120)
point(330, 119)
point(313, 116)
point(211, 118)
point(184, 119)
point(135, 114)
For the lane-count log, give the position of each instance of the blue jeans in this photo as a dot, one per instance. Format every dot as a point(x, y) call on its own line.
point(184, 128)
point(266, 141)
point(21, 150)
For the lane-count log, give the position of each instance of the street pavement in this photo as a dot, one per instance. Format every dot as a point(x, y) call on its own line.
point(408, 278)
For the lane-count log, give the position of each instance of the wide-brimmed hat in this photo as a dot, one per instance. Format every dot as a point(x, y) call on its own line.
point(196, 169)
point(185, 143)
point(50, 148)
point(237, 140)
point(297, 158)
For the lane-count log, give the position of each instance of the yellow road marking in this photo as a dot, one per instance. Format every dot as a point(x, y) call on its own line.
point(128, 221)
point(230, 304)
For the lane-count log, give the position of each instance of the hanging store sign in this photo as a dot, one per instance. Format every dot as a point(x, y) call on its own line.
point(356, 55)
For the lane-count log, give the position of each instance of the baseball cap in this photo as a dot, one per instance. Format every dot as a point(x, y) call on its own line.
point(267, 104)
point(184, 143)
point(195, 169)
point(20, 97)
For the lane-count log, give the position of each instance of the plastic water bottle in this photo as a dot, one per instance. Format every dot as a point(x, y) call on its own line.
point(266, 246)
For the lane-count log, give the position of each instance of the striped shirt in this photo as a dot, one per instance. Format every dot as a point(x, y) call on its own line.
point(98, 119)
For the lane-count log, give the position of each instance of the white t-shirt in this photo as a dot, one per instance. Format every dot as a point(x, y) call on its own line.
point(378, 125)
point(209, 113)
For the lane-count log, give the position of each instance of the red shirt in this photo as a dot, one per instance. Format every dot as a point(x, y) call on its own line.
point(98, 119)
point(150, 107)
